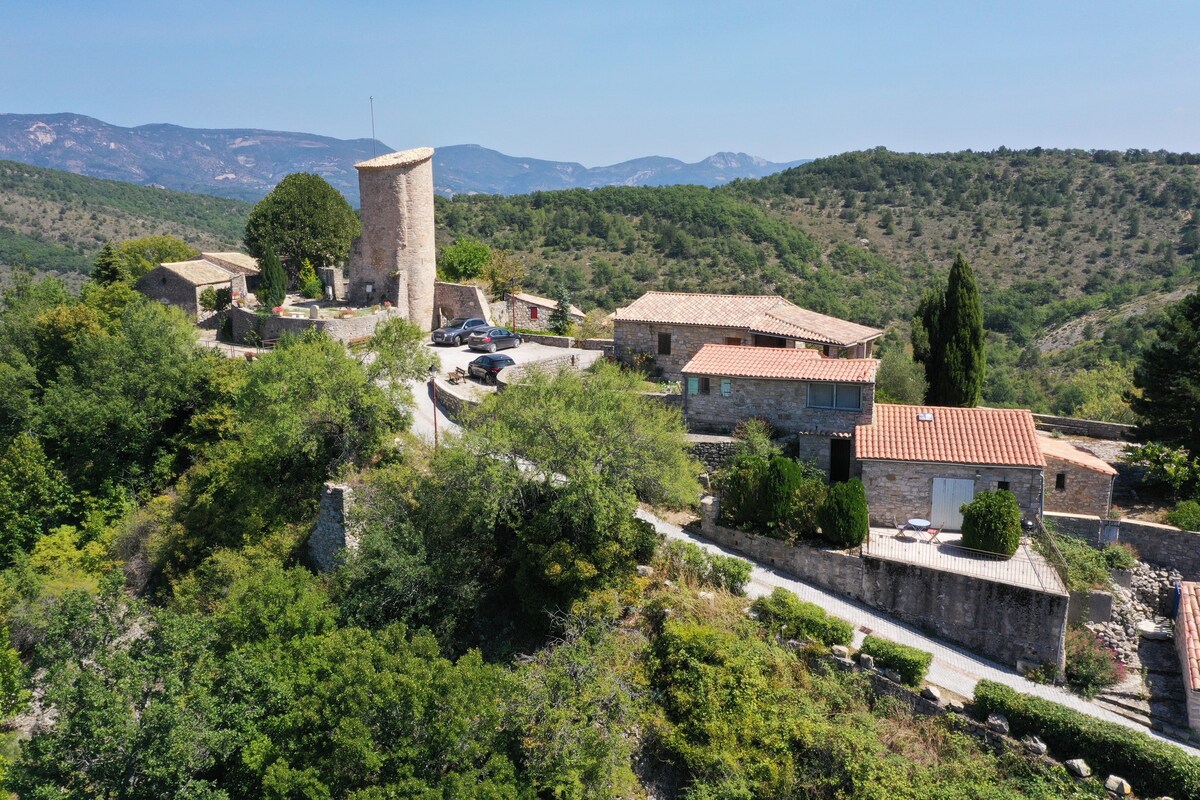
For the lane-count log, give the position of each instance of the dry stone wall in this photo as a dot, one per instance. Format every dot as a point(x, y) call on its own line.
point(1160, 545)
point(460, 300)
point(335, 533)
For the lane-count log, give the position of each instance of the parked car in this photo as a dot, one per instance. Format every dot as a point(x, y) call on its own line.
point(486, 367)
point(493, 339)
point(457, 330)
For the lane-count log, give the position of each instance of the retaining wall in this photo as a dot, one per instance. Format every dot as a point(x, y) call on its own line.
point(1094, 428)
point(451, 400)
point(605, 345)
point(1000, 621)
point(244, 321)
point(548, 339)
point(1160, 545)
point(713, 451)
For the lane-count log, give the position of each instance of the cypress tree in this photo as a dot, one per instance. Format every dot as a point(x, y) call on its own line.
point(109, 267)
point(948, 340)
point(272, 288)
point(560, 317)
point(1169, 377)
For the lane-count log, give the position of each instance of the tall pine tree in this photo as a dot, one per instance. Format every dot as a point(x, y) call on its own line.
point(948, 340)
point(1169, 377)
point(272, 287)
point(560, 317)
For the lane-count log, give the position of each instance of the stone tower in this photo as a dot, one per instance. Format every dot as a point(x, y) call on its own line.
point(395, 258)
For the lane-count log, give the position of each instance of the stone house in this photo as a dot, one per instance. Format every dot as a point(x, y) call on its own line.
point(670, 328)
point(1077, 482)
point(531, 312)
point(801, 393)
point(180, 283)
point(924, 462)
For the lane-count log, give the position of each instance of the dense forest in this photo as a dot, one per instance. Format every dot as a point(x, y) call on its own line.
point(164, 636)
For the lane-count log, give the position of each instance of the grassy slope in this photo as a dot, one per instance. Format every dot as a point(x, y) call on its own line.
point(57, 221)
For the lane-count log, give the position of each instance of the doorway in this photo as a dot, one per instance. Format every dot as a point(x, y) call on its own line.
point(839, 460)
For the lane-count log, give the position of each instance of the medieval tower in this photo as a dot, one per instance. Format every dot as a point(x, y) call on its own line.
point(395, 258)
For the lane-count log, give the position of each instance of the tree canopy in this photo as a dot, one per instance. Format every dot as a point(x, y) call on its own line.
point(131, 259)
point(948, 339)
point(464, 259)
point(1169, 378)
point(302, 218)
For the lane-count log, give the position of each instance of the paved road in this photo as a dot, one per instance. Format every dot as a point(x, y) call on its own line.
point(953, 668)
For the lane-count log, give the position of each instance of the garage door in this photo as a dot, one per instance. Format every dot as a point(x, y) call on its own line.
point(949, 494)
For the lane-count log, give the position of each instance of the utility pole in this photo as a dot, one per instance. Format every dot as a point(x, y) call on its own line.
point(433, 386)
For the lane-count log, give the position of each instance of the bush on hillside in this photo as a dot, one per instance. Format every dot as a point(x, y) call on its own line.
point(763, 491)
point(1156, 766)
point(843, 515)
point(686, 562)
point(992, 522)
point(1185, 515)
point(786, 616)
point(1090, 665)
point(911, 663)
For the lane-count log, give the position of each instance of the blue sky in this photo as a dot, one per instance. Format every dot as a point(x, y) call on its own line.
point(600, 82)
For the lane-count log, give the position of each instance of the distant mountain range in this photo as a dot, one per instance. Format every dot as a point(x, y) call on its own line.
point(244, 164)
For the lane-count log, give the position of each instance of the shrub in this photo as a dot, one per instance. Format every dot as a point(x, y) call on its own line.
point(1186, 515)
point(761, 490)
point(843, 515)
point(684, 561)
point(911, 663)
point(310, 285)
point(788, 617)
point(1090, 665)
point(1161, 768)
point(992, 522)
point(1119, 556)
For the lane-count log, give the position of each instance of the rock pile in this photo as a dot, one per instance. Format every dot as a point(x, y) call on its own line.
point(1147, 599)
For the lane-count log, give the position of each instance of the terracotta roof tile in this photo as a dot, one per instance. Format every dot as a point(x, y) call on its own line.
point(1187, 625)
point(1000, 436)
point(766, 314)
point(199, 272)
point(1065, 451)
point(782, 363)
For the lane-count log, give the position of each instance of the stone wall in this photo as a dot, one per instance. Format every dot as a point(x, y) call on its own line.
point(1085, 492)
point(522, 315)
point(335, 283)
point(452, 300)
point(1160, 545)
point(453, 400)
point(272, 327)
point(335, 531)
point(1096, 429)
point(712, 451)
point(166, 287)
point(781, 403)
point(548, 339)
point(997, 620)
point(900, 490)
point(631, 338)
point(604, 345)
point(515, 373)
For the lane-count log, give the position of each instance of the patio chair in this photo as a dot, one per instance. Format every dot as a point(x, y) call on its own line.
point(901, 527)
point(933, 531)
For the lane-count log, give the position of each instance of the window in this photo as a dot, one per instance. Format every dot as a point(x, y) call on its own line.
point(1060, 482)
point(697, 385)
point(733, 340)
point(664, 344)
point(843, 396)
point(533, 312)
point(726, 387)
point(704, 386)
point(1002, 485)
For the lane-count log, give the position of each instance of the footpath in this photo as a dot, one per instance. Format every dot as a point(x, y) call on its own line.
point(953, 669)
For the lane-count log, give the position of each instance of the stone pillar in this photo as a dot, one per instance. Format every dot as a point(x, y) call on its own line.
point(396, 256)
point(334, 533)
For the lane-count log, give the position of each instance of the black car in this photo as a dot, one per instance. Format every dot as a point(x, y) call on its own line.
point(457, 330)
point(493, 339)
point(486, 367)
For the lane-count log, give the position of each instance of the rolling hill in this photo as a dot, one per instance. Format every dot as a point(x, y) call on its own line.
point(245, 163)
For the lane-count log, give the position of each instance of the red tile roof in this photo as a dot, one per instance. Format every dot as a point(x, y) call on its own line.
point(999, 436)
point(1187, 634)
point(1065, 451)
point(781, 363)
point(766, 314)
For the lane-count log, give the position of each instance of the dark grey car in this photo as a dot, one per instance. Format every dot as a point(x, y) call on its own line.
point(493, 339)
point(487, 367)
point(457, 330)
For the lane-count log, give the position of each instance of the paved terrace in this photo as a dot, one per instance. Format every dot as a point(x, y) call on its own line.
point(1027, 567)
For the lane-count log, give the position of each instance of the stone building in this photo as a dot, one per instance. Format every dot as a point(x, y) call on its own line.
point(180, 283)
point(670, 328)
point(395, 258)
point(925, 462)
point(819, 400)
point(533, 313)
point(1187, 647)
point(1077, 482)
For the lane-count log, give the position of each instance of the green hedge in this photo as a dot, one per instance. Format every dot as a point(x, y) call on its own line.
point(787, 616)
point(1155, 767)
point(992, 522)
point(911, 663)
point(843, 517)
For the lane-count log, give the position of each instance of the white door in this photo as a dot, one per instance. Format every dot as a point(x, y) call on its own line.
point(949, 495)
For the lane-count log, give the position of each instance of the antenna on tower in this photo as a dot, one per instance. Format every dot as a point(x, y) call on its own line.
point(372, 126)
